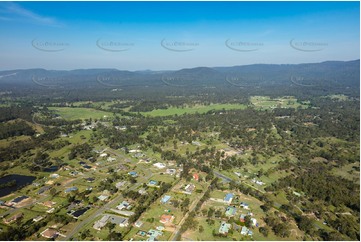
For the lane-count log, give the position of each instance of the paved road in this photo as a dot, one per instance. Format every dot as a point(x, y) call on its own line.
point(228, 179)
point(94, 215)
point(100, 211)
point(176, 232)
point(29, 205)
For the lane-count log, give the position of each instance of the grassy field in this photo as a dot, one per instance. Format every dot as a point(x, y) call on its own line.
point(6, 142)
point(338, 97)
point(191, 110)
point(80, 113)
point(265, 102)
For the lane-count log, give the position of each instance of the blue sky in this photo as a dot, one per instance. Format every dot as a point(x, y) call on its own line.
point(175, 35)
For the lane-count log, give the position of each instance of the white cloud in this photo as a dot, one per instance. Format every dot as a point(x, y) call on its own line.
point(13, 11)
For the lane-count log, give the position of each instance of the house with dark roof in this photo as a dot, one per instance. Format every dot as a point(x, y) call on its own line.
point(76, 214)
point(43, 189)
point(18, 200)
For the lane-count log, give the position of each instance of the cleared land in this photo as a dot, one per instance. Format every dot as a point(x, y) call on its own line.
point(194, 109)
point(80, 113)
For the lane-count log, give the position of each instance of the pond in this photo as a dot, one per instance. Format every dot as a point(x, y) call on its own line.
point(11, 183)
point(51, 169)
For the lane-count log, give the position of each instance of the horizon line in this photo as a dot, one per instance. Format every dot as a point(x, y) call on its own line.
point(140, 70)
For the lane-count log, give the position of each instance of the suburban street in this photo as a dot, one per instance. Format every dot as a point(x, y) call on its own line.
point(191, 208)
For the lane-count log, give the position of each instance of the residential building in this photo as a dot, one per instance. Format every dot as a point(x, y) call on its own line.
point(224, 228)
point(165, 199)
point(138, 224)
point(142, 191)
point(124, 205)
point(152, 183)
point(103, 197)
point(121, 221)
point(230, 211)
point(165, 218)
point(14, 218)
point(38, 218)
point(228, 198)
point(70, 189)
point(50, 233)
point(159, 165)
point(170, 171)
point(49, 204)
point(98, 225)
point(246, 231)
point(244, 205)
point(189, 188)
point(133, 173)
point(17, 200)
point(120, 184)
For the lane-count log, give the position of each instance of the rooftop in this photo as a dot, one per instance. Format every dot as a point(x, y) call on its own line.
point(165, 199)
point(228, 197)
point(224, 228)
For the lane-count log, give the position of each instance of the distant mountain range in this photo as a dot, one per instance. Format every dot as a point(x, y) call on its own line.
point(329, 73)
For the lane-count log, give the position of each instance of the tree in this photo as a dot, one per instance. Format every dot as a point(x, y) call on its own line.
point(52, 192)
point(248, 221)
point(110, 226)
point(201, 229)
point(264, 231)
point(305, 224)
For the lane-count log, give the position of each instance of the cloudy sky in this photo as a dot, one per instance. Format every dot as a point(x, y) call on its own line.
point(175, 35)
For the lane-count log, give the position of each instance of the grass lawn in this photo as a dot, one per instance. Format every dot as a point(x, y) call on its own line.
point(207, 235)
point(80, 113)
point(338, 97)
point(6, 142)
point(218, 194)
point(191, 110)
point(348, 172)
point(163, 178)
point(265, 102)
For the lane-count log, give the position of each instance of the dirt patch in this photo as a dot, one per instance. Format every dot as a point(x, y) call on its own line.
point(66, 182)
point(24, 203)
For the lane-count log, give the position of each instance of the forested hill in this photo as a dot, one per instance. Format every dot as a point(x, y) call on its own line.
point(339, 74)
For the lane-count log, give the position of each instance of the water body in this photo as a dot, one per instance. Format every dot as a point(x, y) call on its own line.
point(21, 181)
point(51, 169)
